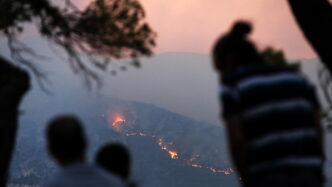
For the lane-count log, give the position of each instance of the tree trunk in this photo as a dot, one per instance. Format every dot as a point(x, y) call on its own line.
point(14, 83)
point(315, 19)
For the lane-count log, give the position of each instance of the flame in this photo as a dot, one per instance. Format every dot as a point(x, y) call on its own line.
point(117, 121)
point(227, 171)
point(196, 166)
point(192, 163)
point(163, 145)
point(173, 154)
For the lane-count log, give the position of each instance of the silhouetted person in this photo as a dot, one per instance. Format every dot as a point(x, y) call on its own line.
point(67, 144)
point(115, 158)
point(315, 19)
point(14, 84)
point(271, 116)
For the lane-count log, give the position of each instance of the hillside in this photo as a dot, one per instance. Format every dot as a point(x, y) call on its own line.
point(151, 133)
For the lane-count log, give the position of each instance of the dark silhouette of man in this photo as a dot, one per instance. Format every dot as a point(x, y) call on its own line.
point(115, 158)
point(315, 19)
point(271, 116)
point(67, 144)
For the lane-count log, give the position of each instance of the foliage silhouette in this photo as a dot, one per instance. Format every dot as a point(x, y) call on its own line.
point(277, 57)
point(106, 29)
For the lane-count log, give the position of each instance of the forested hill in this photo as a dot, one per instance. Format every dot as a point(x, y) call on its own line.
point(168, 149)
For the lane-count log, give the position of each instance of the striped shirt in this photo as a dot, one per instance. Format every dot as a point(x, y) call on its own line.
point(277, 108)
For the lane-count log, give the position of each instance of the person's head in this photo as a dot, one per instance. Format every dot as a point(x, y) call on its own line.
point(114, 158)
point(235, 48)
point(66, 140)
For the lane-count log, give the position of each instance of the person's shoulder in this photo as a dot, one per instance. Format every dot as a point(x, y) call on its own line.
point(271, 70)
point(245, 71)
point(105, 177)
point(59, 179)
point(84, 175)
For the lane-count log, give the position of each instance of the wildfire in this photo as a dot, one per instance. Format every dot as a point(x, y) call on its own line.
point(227, 171)
point(174, 155)
point(164, 146)
point(117, 120)
point(196, 166)
point(192, 163)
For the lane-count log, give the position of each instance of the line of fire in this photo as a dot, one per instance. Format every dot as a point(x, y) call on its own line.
point(117, 121)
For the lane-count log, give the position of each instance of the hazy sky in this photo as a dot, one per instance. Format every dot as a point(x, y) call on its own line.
point(194, 25)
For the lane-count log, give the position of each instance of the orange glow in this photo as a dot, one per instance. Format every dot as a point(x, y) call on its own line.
point(117, 121)
point(196, 166)
point(227, 171)
point(174, 155)
point(163, 145)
